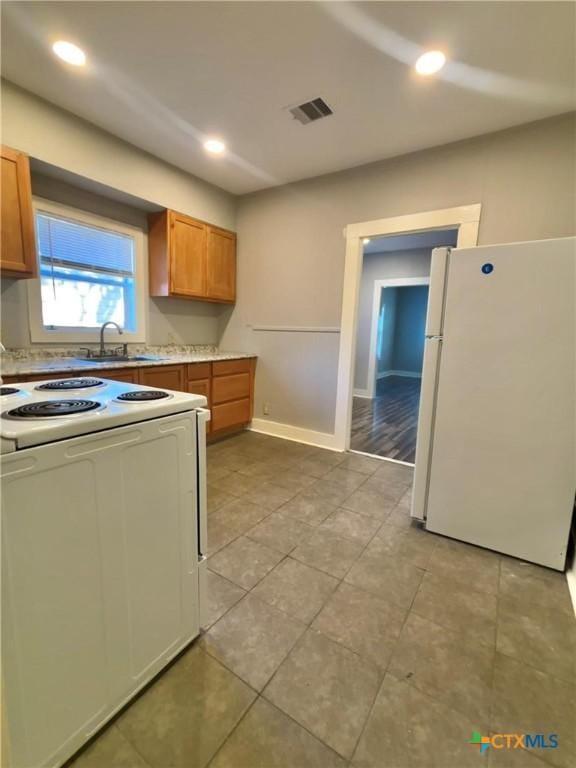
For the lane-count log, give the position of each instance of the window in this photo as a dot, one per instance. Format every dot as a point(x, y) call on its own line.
point(89, 273)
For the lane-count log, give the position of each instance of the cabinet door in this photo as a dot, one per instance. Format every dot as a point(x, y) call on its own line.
point(187, 256)
point(18, 254)
point(200, 387)
point(164, 377)
point(230, 415)
point(221, 265)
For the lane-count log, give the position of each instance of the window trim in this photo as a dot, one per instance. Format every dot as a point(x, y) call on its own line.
point(72, 335)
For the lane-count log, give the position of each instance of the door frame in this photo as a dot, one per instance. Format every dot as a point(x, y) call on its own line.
point(379, 286)
point(465, 219)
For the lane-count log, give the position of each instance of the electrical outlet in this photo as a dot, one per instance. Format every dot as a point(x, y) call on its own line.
point(266, 409)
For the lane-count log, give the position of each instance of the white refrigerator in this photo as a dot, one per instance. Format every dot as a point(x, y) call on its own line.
point(495, 454)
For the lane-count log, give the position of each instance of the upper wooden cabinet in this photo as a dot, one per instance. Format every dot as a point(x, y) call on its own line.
point(191, 259)
point(18, 254)
point(221, 264)
point(187, 257)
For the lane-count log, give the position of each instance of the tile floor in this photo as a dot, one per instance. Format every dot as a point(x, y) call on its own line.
point(340, 634)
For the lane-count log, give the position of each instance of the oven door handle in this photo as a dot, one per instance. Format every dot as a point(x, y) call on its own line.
point(202, 418)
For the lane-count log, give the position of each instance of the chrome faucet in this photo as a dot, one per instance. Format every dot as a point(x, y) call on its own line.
point(102, 329)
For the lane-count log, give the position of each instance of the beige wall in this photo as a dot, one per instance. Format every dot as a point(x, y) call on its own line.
point(55, 136)
point(291, 245)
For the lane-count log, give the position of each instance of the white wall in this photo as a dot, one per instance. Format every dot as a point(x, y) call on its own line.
point(291, 244)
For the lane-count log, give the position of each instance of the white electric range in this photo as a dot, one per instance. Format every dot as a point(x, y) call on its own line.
point(104, 543)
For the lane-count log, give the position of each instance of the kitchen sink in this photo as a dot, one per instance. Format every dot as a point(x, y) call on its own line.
point(121, 359)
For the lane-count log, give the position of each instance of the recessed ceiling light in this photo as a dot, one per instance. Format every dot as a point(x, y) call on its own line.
point(430, 63)
point(69, 53)
point(366, 240)
point(214, 146)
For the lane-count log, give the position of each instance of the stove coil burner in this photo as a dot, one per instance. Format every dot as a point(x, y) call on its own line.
point(51, 408)
point(63, 384)
point(142, 395)
point(9, 391)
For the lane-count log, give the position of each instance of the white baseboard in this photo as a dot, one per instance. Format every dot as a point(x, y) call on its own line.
point(362, 393)
point(407, 374)
point(297, 434)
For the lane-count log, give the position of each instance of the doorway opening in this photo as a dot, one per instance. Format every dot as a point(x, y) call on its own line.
point(385, 414)
point(391, 328)
point(464, 219)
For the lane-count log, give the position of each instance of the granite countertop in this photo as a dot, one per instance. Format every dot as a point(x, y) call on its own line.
point(31, 362)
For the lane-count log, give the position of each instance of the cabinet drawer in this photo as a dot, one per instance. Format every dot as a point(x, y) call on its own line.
point(226, 388)
point(163, 377)
point(129, 375)
point(224, 367)
point(198, 371)
point(231, 414)
point(200, 387)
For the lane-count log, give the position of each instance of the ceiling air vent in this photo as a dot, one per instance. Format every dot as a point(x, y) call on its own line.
point(311, 111)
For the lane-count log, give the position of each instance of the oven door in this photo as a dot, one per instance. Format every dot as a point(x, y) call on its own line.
point(100, 584)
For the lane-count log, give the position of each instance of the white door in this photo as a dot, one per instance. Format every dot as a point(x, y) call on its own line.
point(502, 470)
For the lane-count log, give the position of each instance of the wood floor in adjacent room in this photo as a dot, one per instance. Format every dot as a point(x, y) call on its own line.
point(387, 425)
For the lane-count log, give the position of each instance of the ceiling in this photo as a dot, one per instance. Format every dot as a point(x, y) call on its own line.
point(164, 75)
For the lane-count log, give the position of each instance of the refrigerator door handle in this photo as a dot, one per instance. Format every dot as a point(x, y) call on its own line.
point(438, 276)
point(426, 416)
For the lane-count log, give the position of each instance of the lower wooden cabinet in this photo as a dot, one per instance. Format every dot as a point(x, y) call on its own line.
point(228, 386)
point(196, 371)
point(163, 377)
point(200, 387)
point(228, 415)
point(232, 393)
point(129, 375)
point(234, 387)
